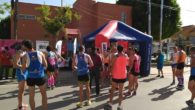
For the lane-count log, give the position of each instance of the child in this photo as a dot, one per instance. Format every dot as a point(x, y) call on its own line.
point(191, 84)
point(51, 59)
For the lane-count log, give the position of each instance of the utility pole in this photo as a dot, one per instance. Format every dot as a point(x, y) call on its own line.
point(15, 19)
point(62, 3)
point(149, 17)
point(161, 22)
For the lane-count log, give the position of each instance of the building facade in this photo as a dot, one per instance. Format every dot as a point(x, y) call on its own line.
point(93, 15)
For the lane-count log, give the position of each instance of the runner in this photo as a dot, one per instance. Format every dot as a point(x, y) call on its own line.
point(95, 70)
point(191, 83)
point(160, 64)
point(51, 61)
point(105, 75)
point(135, 71)
point(174, 59)
point(119, 73)
point(35, 62)
point(81, 63)
point(131, 55)
point(180, 67)
point(21, 76)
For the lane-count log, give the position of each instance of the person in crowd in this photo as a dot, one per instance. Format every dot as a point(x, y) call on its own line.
point(6, 63)
point(105, 77)
point(160, 64)
point(95, 70)
point(174, 59)
point(134, 70)
point(51, 61)
point(60, 63)
point(1, 63)
point(21, 76)
point(81, 63)
point(180, 67)
point(119, 74)
point(35, 63)
point(191, 83)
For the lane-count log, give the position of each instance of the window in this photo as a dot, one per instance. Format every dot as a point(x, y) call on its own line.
point(123, 17)
point(26, 17)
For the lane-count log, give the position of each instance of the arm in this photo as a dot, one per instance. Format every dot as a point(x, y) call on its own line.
point(90, 61)
point(44, 61)
point(24, 63)
point(16, 61)
point(74, 66)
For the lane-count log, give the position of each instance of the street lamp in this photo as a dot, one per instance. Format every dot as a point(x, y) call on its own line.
point(161, 21)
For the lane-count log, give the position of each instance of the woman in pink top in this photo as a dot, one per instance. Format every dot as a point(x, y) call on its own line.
point(134, 70)
point(119, 73)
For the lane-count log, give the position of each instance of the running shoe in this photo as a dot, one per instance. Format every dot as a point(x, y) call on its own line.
point(80, 105)
point(119, 107)
point(89, 102)
point(189, 103)
point(108, 106)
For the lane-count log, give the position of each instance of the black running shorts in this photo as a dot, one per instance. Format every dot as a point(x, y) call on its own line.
point(35, 81)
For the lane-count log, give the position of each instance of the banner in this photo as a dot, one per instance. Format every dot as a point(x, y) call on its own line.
point(41, 45)
point(75, 46)
point(59, 47)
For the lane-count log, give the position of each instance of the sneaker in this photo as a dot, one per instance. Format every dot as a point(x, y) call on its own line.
point(180, 87)
point(134, 93)
point(108, 106)
point(80, 105)
point(89, 102)
point(119, 107)
point(173, 83)
point(189, 103)
point(162, 77)
point(158, 76)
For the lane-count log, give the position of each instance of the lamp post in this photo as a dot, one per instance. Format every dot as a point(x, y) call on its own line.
point(61, 3)
point(161, 21)
point(149, 17)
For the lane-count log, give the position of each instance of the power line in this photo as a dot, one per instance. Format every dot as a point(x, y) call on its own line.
point(164, 6)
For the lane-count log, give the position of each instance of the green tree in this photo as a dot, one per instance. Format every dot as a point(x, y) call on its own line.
point(4, 7)
point(171, 16)
point(5, 32)
point(55, 24)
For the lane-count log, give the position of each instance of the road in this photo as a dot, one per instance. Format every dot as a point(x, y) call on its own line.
point(153, 94)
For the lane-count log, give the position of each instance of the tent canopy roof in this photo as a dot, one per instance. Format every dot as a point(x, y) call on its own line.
point(117, 30)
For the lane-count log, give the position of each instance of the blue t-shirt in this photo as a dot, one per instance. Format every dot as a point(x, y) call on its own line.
point(160, 59)
point(35, 69)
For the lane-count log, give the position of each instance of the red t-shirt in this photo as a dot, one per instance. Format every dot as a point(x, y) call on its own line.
point(6, 59)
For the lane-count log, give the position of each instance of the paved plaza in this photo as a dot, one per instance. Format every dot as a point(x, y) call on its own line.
point(153, 94)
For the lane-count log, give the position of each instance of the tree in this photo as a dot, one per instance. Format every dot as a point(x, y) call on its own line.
point(4, 7)
point(171, 18)
point(5, 32)
point(53, 25)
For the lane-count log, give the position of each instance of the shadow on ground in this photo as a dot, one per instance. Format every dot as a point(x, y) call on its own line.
point(164, 92)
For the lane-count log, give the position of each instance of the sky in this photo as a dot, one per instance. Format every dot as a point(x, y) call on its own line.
point(187, 7)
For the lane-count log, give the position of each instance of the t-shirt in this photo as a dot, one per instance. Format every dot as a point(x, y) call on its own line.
point(96, 61)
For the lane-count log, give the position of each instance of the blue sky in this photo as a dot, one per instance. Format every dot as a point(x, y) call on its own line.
point(187, 7)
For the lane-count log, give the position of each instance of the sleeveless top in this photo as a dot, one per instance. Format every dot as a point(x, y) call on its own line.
point(35, 67)
point(82, 64)
point(19, 70)
point(182, 56)
point(51, 58)
point(136, 63)
point(175, 58)
point(119, 68)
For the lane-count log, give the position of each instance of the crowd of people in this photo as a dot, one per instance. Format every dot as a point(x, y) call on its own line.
point(111, 68)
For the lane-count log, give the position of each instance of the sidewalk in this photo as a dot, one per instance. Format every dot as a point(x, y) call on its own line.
point(153, 94)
